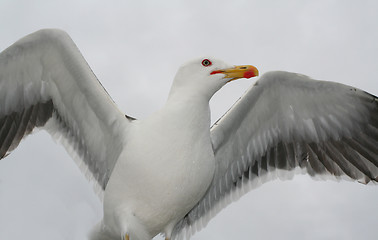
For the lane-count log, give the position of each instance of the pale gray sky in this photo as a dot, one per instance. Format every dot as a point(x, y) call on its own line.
point(135, 48)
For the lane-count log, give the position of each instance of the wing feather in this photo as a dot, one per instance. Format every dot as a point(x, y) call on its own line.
point(45, 82)
point(288, 122)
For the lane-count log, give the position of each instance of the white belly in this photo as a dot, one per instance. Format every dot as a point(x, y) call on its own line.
point(159, 180)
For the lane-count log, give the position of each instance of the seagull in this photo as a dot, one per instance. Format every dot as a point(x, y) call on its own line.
point(172, 172)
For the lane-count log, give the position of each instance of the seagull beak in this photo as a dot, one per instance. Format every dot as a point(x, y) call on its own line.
point(236, 72)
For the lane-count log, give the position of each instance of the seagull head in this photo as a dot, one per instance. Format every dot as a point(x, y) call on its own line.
point(207, 75)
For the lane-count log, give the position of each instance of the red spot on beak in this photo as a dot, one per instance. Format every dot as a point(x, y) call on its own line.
point(249, 74)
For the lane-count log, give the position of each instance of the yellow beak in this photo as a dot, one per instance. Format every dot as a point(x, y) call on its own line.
point(242, 71)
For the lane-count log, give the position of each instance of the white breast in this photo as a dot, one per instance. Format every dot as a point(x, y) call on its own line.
point(165, 169)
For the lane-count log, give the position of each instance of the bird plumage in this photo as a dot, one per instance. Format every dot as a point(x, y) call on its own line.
point(171, 172)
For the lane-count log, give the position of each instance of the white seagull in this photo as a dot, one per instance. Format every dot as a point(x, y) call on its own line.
point(172, 172)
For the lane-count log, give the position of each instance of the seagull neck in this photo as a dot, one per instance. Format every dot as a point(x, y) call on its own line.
point(188, 102)
point(188, 93)
point(187, 97)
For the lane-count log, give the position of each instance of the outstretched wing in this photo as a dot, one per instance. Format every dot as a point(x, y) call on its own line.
point(288, 121)
point(45, 82)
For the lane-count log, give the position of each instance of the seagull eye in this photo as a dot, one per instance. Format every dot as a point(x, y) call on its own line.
point(206, 62)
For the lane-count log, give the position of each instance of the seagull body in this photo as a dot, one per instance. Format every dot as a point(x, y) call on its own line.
point(171, 172)
point(180, 163)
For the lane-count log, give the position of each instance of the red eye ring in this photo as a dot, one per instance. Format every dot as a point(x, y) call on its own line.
point(206, 62)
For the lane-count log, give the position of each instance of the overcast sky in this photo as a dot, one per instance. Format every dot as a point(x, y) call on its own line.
point(135, 48)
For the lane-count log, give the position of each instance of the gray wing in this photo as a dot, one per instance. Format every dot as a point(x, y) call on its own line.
point(289, 122)
point(45, 82)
